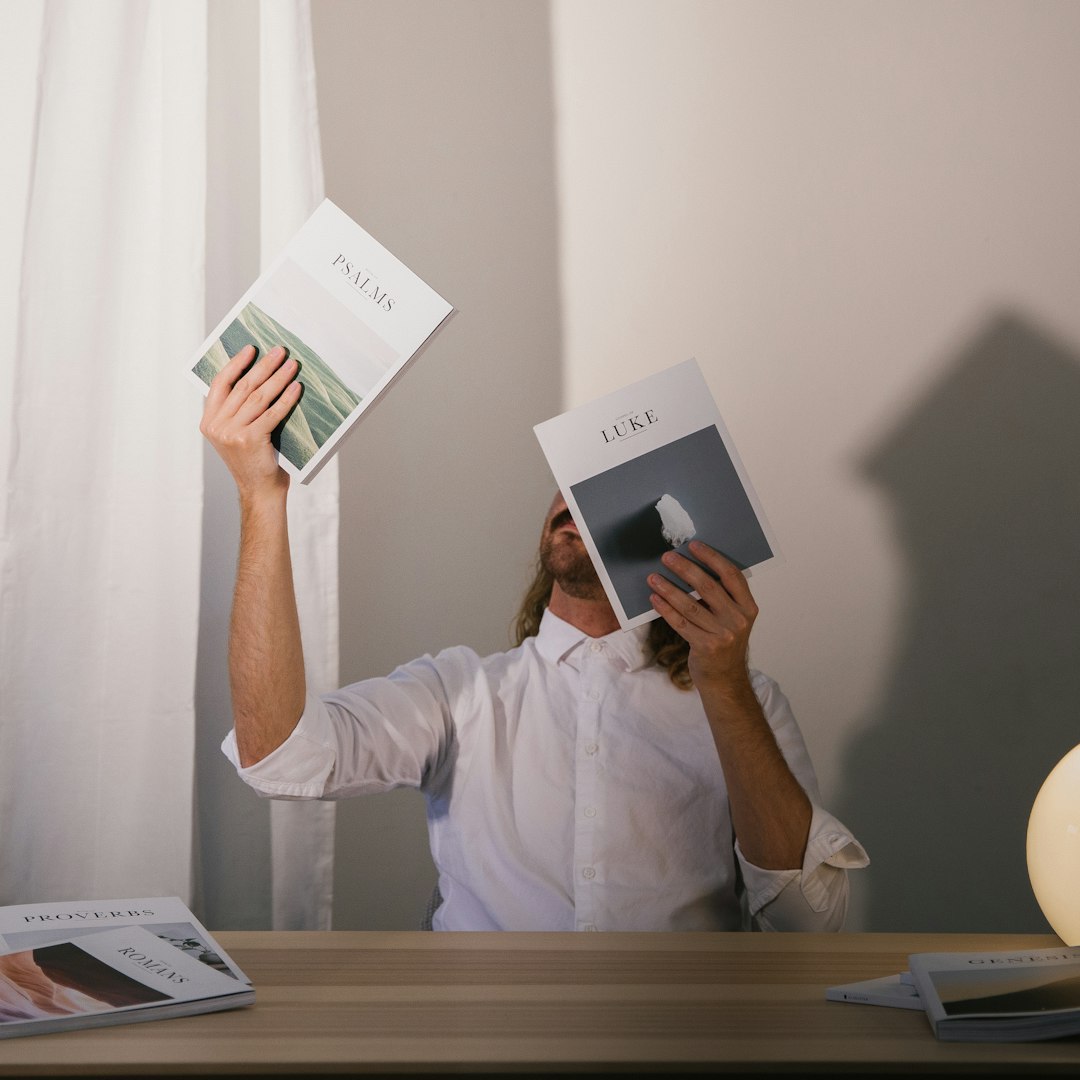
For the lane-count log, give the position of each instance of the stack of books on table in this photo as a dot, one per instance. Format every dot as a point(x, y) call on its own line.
point(983, 997)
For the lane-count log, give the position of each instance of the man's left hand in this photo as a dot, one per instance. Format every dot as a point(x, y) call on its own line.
point(717, 627)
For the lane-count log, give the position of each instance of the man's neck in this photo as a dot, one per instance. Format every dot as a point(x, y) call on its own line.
point(593, 617)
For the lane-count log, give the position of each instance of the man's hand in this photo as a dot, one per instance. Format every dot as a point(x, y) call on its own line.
point(246, 403)
point(717, 627)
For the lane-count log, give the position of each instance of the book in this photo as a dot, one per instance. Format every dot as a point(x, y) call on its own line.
point(647, 469)
point(78, 964)
point(894, 991)
point(1000, 996)
point(348, 311)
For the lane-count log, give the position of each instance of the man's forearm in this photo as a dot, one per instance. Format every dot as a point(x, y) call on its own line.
point(247, 401)
point(769, 809)
point(266, 660)
point(770, 812)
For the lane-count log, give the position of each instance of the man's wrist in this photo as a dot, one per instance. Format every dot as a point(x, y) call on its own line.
point(267, 497)
point(733, 707)
point(733, 688)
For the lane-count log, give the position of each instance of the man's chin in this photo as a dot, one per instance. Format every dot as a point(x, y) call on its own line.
point(577, 578)
point(564, 557)
point(582, 590)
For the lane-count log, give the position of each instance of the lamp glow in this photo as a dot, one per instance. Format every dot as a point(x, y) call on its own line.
point(1053, 848)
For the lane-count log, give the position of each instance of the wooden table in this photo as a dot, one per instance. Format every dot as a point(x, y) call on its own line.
point(370, 1003)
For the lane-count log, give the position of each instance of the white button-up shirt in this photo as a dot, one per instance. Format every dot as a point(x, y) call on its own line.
point(569, 785)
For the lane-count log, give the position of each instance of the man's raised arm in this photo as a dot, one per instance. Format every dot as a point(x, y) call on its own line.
point(246, 403)
point(769, 809)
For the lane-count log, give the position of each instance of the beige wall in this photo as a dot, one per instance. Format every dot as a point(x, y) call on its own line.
point(861, 218)
point(438, 137)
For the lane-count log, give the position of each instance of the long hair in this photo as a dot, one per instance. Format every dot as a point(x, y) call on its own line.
point(668, 648)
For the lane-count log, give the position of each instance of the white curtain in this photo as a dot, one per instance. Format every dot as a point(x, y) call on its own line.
point(102, 226)
point(103, 205)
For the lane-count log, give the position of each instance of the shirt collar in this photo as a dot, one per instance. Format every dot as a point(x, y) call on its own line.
point(557, 639)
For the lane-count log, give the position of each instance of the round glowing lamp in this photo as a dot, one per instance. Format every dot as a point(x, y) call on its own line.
point(1053, 848)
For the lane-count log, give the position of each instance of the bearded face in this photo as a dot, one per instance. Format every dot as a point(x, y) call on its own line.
point(563, 555)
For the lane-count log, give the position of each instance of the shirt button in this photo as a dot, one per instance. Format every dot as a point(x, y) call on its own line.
point(590, 811)
point(593, 695)
point(588, 873)
point(596, 647)
point(591, 748)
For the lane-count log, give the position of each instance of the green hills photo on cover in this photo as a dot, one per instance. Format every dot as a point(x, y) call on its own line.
point(291, 309)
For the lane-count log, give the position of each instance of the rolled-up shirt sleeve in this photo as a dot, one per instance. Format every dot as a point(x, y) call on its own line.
point(300, 767)
point(813, 897)
point(372, 736)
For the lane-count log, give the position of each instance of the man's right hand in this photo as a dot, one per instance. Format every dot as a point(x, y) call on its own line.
point(245, 405)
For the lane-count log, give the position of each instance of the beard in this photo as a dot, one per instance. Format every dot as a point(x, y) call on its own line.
point(564, 557)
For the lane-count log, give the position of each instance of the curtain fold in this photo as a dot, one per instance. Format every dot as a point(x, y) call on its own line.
point(302, 833)
point(100, 458)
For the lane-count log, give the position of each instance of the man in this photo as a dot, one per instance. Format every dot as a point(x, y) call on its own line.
point(587, 779)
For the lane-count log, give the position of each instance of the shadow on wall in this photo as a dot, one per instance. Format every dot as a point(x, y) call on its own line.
point(984, 695)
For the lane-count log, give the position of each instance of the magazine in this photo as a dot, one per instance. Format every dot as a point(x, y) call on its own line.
point(647, 469)
point(348, 311)
point(1000, 996)
point(894, 991)
point(77, 965)
point(27, 926)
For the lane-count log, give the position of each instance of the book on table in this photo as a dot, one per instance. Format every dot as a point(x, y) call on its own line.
point(895, 991)
point(350, 313)
point(1000, 996)
point(647, 469)
point(87, 964)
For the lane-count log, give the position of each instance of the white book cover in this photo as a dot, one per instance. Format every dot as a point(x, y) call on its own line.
point(649, 468)
point(348, 311)
point(28, 926)
point(108, 976)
